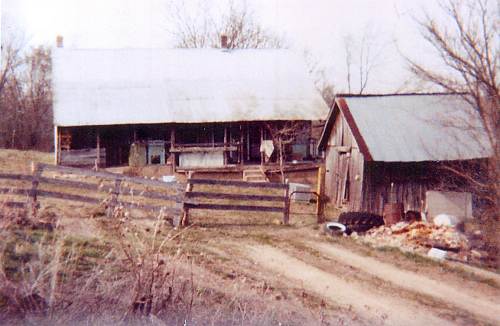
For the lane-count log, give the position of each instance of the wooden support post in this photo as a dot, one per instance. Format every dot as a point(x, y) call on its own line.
point(98, 145)
point(56, 145)
point(225, 153)
point(213, 134)
point(36, 171)
point(241, 145)
point(172, 146)
point(320, 204)
point(286, 208)
point(184, 219)
point(248, 142)
point(261, 141)
point(114, 198)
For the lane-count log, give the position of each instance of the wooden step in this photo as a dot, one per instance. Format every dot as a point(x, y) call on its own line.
point(254, 175)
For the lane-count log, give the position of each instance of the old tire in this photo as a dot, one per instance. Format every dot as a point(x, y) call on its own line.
point(360, 221)
point(335, 228)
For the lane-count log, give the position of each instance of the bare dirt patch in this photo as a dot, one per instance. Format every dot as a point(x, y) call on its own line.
point(477, 303)
point(380, 310)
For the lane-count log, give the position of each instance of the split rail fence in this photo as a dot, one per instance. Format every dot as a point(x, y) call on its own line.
point(174, 199)
point(197, 199)
point(118, 189)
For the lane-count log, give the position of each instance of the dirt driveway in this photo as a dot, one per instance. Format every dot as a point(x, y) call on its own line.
point(383, 310)
point(407, 298)
point(382, 287)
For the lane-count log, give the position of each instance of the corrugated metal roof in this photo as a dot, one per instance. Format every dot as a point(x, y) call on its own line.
point(413, 128)
point(125, 86)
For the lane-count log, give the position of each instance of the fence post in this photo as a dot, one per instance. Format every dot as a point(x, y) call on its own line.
point(184, 218)
point(320, 204)
point(114, 198)
point(36, 171)
point(286, 208)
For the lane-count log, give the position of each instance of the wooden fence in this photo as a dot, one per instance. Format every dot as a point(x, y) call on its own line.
point(191, 195)
point(181, 199)
point(119, 192)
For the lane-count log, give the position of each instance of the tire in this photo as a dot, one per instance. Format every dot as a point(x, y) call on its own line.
point(334, 228)
point(360, 221)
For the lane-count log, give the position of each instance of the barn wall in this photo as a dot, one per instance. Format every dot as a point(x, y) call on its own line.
point(344, 167)
point(398, 182)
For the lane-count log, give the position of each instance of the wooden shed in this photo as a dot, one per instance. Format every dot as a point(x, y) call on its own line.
point(380, 149)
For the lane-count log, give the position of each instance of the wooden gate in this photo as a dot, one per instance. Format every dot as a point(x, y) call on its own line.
point(194, 199)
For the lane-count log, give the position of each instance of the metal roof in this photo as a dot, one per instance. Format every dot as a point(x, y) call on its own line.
point(129, 86)
point(413, 128)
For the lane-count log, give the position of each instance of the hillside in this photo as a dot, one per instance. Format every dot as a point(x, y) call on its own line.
point(80, 266)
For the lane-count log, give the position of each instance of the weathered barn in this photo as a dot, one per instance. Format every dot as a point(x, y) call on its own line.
point(191, 108)
point(389, 148)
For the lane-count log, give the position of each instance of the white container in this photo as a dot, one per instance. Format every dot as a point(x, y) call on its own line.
point(168, 178)
point(437, 254)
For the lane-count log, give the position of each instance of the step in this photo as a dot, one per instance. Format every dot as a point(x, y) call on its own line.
point(252, 173)
point(255, 179)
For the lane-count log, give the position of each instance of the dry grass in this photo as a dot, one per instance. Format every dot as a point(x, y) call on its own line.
point(130, 274)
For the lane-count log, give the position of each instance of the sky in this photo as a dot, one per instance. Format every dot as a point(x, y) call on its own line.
point(319, 28)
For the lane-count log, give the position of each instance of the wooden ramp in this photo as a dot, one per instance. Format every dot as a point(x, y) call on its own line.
point(254, 175)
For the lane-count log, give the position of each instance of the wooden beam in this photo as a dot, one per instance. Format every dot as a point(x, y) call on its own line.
point(243, 184)
point(219, 195)
point(182, 149)
point(233, 207)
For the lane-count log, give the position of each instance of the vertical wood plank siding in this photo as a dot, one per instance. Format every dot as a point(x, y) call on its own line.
point(344, 167)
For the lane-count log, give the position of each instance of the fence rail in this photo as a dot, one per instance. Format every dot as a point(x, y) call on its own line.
point(118, 190)
point(190, 195)
point(122, 190)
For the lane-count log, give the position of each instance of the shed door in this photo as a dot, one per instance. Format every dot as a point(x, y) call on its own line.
point(329, 173)
point(343, 185)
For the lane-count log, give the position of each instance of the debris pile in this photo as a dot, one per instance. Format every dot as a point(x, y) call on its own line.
point(420, 237)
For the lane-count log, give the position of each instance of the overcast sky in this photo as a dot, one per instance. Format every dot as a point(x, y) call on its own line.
point(318, 26)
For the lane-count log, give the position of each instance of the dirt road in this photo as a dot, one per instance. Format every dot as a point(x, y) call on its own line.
point(381, 310)
point(475, 303)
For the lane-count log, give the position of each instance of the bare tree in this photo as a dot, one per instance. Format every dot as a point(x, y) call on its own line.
point(26, 99)
point(367, 50)
point(321, 81)
point(468, 50)
point(348, 60)
point(284, 133)
point(238, 23)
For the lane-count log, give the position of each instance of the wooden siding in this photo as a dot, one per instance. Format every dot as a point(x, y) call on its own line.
point(344, 167)
point(398, 182)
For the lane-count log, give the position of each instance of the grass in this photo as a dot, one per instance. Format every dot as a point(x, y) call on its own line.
point(130, 270)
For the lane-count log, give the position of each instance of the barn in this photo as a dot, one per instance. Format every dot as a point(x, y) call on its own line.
point(383, 149)
point(186, 108)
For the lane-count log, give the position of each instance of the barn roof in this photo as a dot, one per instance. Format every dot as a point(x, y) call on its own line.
point(412, 127)
point(129, 86)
